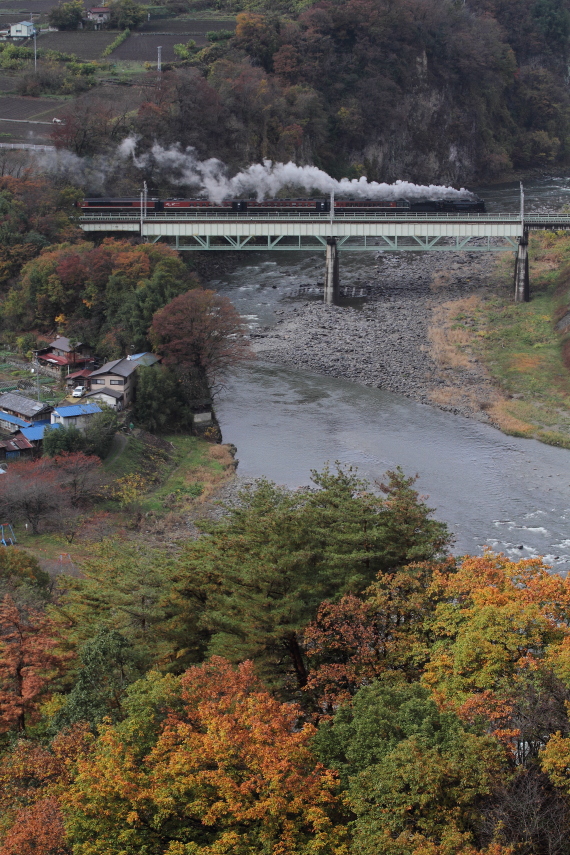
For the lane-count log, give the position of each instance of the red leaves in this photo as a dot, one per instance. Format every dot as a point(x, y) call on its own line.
point(37, 829)
point(28, 663)
point(39, 491)
point(200, 330)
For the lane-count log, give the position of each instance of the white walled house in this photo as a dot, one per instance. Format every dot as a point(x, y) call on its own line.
point(23, 30)
point(76, 415)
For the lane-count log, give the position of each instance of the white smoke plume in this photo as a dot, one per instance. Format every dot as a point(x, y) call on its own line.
point(210, 178)
point(267, 179)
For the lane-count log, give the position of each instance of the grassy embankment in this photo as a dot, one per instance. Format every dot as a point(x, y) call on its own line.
point(180, 485)
point(523, 347)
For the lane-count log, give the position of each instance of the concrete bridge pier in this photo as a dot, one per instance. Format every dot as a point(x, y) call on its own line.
point(332, 281)
point(522, 281)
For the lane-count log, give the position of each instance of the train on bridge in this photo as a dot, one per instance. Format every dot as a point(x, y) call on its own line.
point(282, 206)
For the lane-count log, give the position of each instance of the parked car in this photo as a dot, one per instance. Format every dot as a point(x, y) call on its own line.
point(78, 391)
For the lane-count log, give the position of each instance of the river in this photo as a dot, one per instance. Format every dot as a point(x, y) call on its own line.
point(508, 493)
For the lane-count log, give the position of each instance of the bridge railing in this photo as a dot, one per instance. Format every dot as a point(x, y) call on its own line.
point(297, 215)
point(317, 216)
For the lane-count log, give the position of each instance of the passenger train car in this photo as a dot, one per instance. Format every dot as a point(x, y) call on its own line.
point(268, 206)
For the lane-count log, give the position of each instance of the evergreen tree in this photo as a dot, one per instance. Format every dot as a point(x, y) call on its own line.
point(108, 664)
point(63, 439)
point(100, 432)
point(128, 588)
point(273, 560)
point(159, 406)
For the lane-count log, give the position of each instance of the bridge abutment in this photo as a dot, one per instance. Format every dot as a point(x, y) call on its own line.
point(332, 279)
point(522, 280)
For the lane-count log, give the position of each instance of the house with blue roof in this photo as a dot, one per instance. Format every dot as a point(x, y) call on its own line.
point(36, 433)
point(76, 415)
point(12, 423)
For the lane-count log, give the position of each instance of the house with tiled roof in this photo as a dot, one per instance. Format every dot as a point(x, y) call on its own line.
point(61, 354)
point(23, 408)
point(117, 379)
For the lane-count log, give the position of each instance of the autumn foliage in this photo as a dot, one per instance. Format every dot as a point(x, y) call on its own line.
point(228, 769)
point(374, 694)
point(200, 331)
point(28, 663)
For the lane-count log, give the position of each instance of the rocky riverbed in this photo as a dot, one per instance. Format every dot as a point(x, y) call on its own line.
point(398, 338)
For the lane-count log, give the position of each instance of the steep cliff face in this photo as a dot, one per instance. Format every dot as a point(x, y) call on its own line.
point(420, 89)
point(425, 143)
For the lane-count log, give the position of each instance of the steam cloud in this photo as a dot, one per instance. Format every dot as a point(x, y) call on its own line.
point(210, 177)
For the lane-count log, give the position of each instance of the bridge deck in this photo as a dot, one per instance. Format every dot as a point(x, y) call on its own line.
point(300, 230)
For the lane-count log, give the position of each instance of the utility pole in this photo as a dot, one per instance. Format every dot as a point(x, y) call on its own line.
point(332, 207)
point(143, 205)
point(522, 209)
point(35, 45)
point(159, 60)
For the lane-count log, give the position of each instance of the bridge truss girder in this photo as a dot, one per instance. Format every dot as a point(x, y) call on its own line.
point(271, 243)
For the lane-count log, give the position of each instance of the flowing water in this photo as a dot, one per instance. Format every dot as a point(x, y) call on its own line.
point(511, 494)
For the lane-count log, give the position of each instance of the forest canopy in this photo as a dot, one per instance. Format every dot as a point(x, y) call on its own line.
point(314, 674)
point(424, 90)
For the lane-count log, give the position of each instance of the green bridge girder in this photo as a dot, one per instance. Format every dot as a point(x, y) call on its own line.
point(412, 243)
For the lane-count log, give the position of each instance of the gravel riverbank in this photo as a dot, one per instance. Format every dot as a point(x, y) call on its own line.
point(398, 338)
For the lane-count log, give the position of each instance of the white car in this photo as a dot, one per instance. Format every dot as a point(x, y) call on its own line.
point(78, 391)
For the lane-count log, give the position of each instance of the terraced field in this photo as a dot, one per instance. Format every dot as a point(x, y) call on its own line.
point(26, 108)
point(85, 44)
point(142, 47)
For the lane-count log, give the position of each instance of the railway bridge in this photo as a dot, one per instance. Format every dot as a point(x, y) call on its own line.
point(303, 230)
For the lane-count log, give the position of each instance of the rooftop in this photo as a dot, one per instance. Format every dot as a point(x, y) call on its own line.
point(77, 410)
point(55, 360)
point(125, 367)
point(22, 405)
point(121, 367)
point(13, 420)
point(33, 434)
point(113, 393)
point(19, 443)
point(62, 343)
point(85, 372)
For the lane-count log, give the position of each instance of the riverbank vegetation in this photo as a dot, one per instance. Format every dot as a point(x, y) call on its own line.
point(525, 348)
point(314, 674)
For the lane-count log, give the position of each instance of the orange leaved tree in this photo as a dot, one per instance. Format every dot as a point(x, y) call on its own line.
point(501, 632)
point(28, 663)
point(226, 769)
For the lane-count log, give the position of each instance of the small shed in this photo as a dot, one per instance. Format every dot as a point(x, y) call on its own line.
point(99, 15)
point(23, 30)
point(11, 449)
point(111, 397)
point(78, 415)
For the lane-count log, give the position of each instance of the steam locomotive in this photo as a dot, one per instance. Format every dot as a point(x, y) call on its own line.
point(269, 206)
